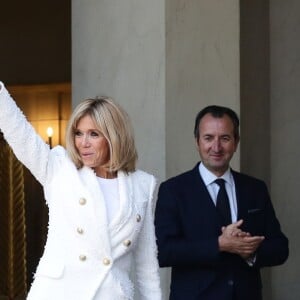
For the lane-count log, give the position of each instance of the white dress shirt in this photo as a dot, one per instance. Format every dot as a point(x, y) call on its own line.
point(213, 188)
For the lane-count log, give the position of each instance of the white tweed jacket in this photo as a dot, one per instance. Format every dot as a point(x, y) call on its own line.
point(86, 258)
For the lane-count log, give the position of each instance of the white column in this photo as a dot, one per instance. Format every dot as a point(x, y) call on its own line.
point(285, 138)
point(202, 68)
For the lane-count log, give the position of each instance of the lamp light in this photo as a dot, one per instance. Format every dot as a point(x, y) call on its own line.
point(50, 134)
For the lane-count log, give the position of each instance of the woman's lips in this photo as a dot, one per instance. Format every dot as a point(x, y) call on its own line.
point(86, 154)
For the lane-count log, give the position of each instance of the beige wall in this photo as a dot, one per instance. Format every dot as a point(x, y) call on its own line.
point(285, 137)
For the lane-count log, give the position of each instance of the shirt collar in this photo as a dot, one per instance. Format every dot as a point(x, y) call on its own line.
point(208, 177)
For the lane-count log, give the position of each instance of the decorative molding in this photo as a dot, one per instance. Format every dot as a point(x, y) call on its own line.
point(12, 225)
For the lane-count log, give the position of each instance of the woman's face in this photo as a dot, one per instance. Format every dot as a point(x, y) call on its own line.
point(92, 146)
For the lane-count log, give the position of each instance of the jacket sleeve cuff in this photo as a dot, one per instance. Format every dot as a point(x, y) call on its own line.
point(251, 260)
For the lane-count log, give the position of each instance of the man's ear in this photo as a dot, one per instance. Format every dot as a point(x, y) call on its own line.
point(237, 141)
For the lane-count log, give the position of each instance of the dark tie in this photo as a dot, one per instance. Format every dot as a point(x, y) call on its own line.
point(222, 204)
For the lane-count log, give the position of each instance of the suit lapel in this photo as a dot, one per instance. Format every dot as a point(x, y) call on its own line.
point(126, 202)
point(98, 217)
point(241, 196)
point(203, 202)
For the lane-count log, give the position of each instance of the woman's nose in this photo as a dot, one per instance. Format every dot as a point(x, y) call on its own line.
point(85, 140)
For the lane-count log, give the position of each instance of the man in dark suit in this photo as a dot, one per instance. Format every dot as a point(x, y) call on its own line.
point(211, 258)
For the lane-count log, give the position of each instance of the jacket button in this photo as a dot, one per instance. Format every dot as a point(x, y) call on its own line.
point(82, 201)
point(127, 243)
point(106, 261)
point(82, 257)
point(138, 218)
point(230, 282)
point(80, 230)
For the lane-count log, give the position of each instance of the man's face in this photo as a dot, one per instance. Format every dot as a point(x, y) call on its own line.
point(216, 143)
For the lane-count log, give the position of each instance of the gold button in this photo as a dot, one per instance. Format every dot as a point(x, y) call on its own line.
point(80, 230)
point(82, 257)
point(82, 201)
point(127, 243)
point(138, 218)
point(106, 261)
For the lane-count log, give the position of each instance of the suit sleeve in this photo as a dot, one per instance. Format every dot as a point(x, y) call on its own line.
point(274, 249)
point(174, 247)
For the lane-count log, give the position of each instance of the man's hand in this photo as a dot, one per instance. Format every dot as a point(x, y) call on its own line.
point(234, 240)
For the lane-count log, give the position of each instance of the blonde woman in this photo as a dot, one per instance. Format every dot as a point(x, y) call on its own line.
point(100, 207)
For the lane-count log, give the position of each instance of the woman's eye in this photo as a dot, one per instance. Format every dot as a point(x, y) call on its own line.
point(77, 133)
point(94, 133)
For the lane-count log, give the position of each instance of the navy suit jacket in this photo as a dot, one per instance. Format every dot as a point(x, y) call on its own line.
point(187, 230)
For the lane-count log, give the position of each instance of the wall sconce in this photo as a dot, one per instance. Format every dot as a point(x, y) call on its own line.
point(50, 134)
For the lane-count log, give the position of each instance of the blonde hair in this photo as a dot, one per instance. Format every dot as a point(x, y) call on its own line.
point(113, 122)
